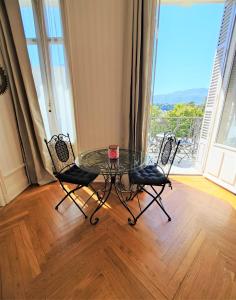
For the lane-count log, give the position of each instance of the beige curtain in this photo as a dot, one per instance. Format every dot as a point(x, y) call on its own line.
point(29, 119)
point(143, 28)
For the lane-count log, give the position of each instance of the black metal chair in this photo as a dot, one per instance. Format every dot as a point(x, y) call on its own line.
point(155, 175)
point(65, 169)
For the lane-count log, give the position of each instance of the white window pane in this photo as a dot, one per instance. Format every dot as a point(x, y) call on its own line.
point(61, 90)
point(53, 86)
point(27, 18)
point(52, 17)
point(227, 130)
point(36, 70)
point(57, 54)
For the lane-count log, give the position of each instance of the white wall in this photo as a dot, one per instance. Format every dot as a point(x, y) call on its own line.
point(97, 32)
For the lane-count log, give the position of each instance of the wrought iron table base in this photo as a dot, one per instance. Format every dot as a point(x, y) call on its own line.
point(113, 183)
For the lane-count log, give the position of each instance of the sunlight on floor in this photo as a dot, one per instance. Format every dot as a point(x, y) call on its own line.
point(89, 192)
point(206, 186)
point(81, 201)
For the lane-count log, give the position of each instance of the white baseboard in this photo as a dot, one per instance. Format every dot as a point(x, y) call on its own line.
point(15, 182)
point(225, 185)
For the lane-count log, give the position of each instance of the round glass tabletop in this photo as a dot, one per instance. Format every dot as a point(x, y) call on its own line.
point(97, 161)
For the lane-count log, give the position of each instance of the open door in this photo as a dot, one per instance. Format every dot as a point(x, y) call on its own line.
point(217, 156)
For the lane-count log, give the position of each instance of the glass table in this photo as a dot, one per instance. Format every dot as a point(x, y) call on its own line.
point(97, 161)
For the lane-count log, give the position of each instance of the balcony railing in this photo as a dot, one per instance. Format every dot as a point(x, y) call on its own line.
point(185, 128)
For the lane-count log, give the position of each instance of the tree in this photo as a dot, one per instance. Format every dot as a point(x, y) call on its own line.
point(183, 118)
point(178, 120)
point(186, 110)
point(155, 115)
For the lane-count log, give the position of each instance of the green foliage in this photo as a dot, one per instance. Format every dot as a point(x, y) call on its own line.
point(155, 115)
point(186, 110)
point(179, 120)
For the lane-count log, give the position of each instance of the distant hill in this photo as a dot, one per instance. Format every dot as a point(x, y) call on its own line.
point(198, 96)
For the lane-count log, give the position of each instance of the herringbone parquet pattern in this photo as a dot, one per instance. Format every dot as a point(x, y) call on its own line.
point(59, 255)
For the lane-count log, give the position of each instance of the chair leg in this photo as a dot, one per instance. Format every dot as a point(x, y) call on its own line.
point(56, 207)
point(87, 200)
point(94, 192)
point(163, 209)
point(133, 194)
point(69, 194)
point(160, 201)
point(154, 200)
point(78, 207)
point(158, 196)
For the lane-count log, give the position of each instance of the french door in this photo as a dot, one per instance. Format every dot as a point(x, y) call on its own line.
point(217, 148)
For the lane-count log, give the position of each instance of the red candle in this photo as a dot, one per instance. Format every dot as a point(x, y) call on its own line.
point(113, 151)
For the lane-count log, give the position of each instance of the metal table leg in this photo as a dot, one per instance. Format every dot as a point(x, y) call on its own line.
point(106, 196)
point(102, 202)
point(123, 202)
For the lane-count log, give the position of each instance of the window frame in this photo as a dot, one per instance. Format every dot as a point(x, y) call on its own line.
point(43, 43)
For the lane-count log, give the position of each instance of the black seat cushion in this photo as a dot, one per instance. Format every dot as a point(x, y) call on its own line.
point(77, 176)
point(149, 175)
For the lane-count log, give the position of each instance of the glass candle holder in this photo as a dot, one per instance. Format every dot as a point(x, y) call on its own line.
point(113, 151)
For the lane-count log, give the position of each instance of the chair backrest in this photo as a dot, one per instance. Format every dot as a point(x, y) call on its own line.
point(167, 152)
point(61, 152)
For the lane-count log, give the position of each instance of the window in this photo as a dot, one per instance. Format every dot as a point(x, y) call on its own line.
point(43, 29)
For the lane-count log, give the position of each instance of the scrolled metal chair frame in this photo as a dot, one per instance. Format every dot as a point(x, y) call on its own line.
point(156, 196)
point(65, 139)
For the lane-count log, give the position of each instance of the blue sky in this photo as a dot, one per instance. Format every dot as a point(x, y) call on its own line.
point(186, 46)
point(54, 29)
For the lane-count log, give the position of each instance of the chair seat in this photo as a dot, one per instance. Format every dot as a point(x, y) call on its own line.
point(149, 175)
point(77, 176)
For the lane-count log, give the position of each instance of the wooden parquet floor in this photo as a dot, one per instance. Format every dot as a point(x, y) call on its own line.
point(45, 254)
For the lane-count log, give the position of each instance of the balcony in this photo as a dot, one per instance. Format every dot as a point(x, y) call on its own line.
point(185, 128)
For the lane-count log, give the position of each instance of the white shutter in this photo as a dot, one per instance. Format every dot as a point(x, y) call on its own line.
point(217, 76)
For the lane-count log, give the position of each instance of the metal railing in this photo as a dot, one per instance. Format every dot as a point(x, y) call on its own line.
point(185, 128)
